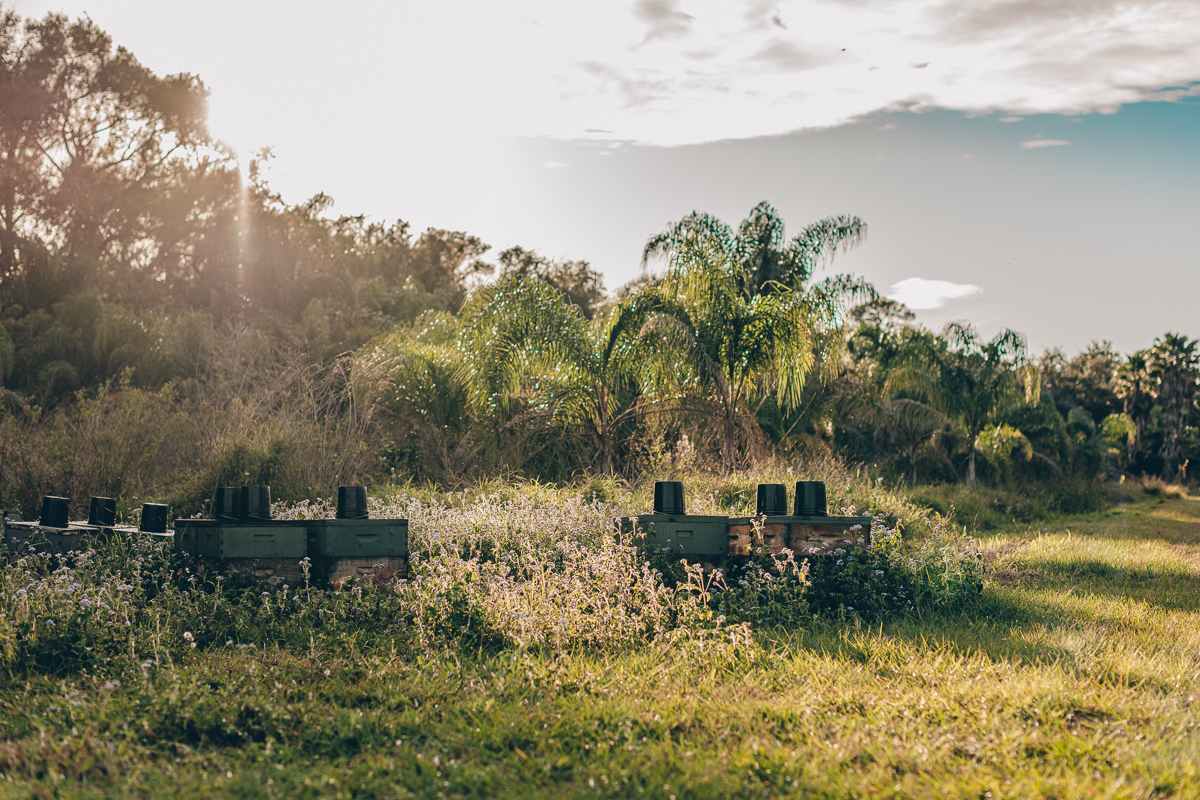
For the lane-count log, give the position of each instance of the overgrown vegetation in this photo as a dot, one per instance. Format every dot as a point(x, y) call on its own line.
point(534, 569)
point(1071, 674)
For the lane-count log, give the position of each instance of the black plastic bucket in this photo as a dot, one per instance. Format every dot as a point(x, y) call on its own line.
point(352, 502)
point(102, 511)
point(55, 511)
point(227, 504)
point(154, 517)
point(668, 497)
point(256, 503)
point(772, 499)
point(810, 499)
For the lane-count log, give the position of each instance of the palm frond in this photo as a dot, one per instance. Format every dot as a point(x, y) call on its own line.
point(820, 242)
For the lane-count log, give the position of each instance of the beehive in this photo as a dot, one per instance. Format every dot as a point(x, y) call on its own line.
point(243, 539)
point(808, 531)
point(671, 531)
point(53, 533)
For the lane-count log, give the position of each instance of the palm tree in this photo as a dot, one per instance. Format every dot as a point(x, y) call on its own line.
point(907, 425)
point(967, 378)
point(1134, 387)
point(1173, 365)
point(524, 342)
point(733, 320)
point(407, 387)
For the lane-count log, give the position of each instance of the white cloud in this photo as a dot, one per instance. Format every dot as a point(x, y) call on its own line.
point(554, 164)
point(923, 294)
point(1039, 144)
point(673, 72)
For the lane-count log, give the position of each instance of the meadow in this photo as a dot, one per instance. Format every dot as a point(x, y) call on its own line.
point(534, 653)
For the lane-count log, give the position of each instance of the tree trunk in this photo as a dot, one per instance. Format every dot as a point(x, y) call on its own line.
point(8, 236)
point(971, 465)
point(607, 457)
point(728, 442)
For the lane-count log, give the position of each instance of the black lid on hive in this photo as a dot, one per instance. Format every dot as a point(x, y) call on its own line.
point(352, 502)
point(102, 511)
point(668, 497)
point(772, 499)
point(810, 499)
point(55, 511)
point(154, 517)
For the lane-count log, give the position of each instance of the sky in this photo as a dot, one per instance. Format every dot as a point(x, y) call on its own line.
point(1020, 163)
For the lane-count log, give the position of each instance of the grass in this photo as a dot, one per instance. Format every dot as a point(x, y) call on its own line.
point(1077, 675)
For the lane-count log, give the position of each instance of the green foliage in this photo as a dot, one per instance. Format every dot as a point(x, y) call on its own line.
point(737, 307)
point(1087, 380)
point(1003, 445)
point(965, 377)
point(409, 386)
point(1173, 364)
point(1119, 431)
point(770, 591)
point(579, 284)
point(990, 508)
point(7, 357)
point(875, 582)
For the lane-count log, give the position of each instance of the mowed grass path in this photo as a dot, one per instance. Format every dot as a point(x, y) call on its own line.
point(1079, 677)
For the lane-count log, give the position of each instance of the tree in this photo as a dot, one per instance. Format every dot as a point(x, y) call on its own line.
point(907, 425)
point(968, 378)
point(882, 313)
point(1087, 380)
point(737, 308)
point(1133, 386)
point(1003, 445)
point(1173, 365)
point(1119, 432)
point(101, 162)
point(578, 282)
point(346, 277)
point(7, 356)
point(408, 386)
point(525, 342)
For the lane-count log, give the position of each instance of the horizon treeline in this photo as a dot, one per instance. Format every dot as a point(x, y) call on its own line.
point(168, 323)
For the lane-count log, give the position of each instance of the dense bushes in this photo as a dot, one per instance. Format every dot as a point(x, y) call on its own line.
point(291, 430)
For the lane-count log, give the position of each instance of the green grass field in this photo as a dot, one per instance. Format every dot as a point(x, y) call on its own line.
point(1078, 677)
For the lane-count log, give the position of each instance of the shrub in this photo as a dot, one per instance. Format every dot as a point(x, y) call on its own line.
point(771, 590)
point(1157, 487)
point(940, 572)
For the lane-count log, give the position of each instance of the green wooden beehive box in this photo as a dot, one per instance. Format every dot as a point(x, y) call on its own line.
point(242, 538)
point(671, 531)
point(373, 549)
